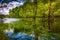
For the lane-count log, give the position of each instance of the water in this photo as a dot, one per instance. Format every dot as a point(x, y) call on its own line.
point(19, 36)
point(10, 20)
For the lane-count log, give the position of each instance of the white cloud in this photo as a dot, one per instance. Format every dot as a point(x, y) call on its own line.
point(10, 6)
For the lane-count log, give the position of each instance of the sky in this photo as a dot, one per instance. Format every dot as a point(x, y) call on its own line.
point(10, 6)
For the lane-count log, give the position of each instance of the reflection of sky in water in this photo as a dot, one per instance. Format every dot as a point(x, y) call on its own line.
point(10, 6)
point(20, 35)
point(10, 20)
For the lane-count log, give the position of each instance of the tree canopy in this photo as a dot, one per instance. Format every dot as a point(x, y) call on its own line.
point(40, 16)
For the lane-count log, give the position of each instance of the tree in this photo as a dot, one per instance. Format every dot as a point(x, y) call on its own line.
point(29, 10)
point(38, 16)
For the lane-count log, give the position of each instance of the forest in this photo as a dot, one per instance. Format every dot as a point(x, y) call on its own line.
point(40, 16)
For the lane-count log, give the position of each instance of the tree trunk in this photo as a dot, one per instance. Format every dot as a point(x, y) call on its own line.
point(36, 35)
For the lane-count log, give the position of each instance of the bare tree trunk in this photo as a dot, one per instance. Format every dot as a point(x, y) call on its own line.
point(50, 17)
point(35, 11)
point(36, 35)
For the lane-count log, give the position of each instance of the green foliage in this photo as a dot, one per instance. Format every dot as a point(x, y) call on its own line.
point(22, 11)
point(40, 24)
